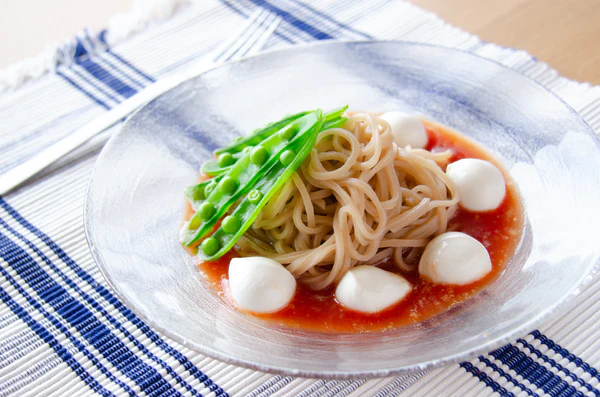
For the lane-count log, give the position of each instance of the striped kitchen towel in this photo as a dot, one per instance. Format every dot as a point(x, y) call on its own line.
point(63, 332)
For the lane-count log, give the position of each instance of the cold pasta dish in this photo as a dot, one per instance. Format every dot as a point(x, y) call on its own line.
point(351, 221)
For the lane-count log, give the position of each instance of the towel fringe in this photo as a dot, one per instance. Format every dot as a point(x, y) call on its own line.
point(87, 43)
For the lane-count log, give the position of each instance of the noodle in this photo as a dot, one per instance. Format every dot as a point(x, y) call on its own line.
point(357, 199)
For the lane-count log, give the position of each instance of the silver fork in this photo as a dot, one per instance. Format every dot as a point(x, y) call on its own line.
point(248, 40)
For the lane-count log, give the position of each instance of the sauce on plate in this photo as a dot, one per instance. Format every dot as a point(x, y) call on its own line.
point(498, 230)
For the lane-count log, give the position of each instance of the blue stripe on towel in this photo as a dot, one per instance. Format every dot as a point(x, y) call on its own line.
point(107, 78)
point(309, 21)
point(146, 76)
point(51, 340)
point(10, 257)
point(333, 20)
point(566, 354)
point(556, 365)
point(121, 73)
point(83, 90)
point(300, 24)
point(507, 376)
point(104, 75)
point(137, 70)
point(99, 308)
point(82, 319)
point(108, 296)
point(246, 14)
point(532, 371)
point(79, 73)
point(124, 89)
point(482, 376)
point(80, 50)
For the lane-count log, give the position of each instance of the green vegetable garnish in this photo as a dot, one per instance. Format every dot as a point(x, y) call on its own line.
point(288, 132)
point(334, 123)
point(260, 135)
point(197, 193)
point(259, 155)
point(249, 172)
point(254, 196)
point(226, 159)
point(210, 246)
point(240, 145)
point(195, 223)
point(221, 164)
point(249, 208)
point(245, 173)
point(228, 185)
point(287, 157)
point(230, 224)
point(205, 211)
point(210, 186)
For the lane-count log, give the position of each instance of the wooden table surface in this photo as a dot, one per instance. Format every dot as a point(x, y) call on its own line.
point(564, 33)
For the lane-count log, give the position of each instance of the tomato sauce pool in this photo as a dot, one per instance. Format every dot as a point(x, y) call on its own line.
point(499, 231)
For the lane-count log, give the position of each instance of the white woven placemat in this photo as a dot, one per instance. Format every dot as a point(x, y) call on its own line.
point(64, 333)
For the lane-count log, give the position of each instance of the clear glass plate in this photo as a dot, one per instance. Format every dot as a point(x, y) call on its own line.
point(135, 201)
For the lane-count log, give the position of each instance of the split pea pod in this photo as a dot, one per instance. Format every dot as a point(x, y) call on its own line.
point(234, 225)
point(259, 135)
point(196, 194)
point(334, 116)
point(227, 156)
point(246, 172)
point(223, 162)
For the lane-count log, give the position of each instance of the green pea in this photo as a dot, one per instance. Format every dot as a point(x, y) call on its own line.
point(228, 185)
point(289, 132)
point(210, 246)
point(225, 160)
point(194, 223)
point(206, 210)
point(199, 193)
point(210, 187)
point(259, 155)
point(287, 157)
point(230, 224)
point(254, 196)
point(247, 149)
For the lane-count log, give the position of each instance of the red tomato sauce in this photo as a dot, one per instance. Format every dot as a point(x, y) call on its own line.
point(499, 231)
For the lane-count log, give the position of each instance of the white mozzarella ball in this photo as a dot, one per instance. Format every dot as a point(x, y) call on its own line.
point(260, 285)
point(406, 129)
point(454, 258)
point(369, 289)
point(480, 184)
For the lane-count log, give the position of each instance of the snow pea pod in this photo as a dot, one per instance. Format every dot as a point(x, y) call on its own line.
point(334, 123)
point(226, 158)
point(334, 114)
point(234, 225)
point(222, 163)
point(259, 135)
point(196, 194)
point(246, 172)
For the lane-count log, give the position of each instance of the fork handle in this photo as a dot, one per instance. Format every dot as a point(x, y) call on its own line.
point(46, 157)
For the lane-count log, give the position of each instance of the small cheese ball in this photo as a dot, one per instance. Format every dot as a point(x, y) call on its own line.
point(454, 258)
point(480, 184)
point(407, 129)
point(368, 289)
point(260, 285)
